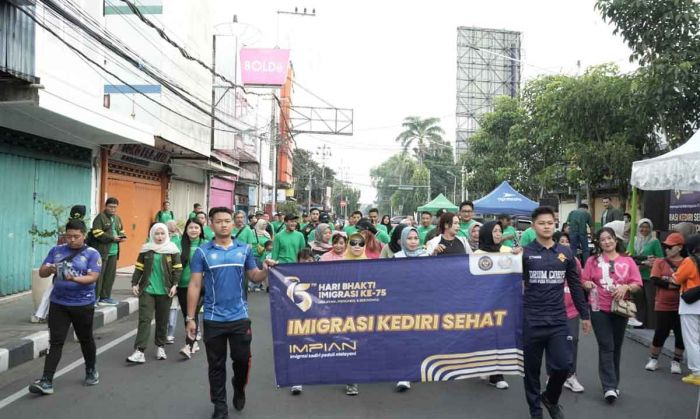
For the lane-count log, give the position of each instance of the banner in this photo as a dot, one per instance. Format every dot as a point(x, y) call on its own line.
point(416, 319)
point(684, 207)
point(264, 66)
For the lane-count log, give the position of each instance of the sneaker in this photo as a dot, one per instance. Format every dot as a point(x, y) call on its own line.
point(555, 410)
point(634, 322)
point(572, 384)
point(692, 379)
point(92, 377)
point(199, 337)
point(296, 390)
point(238, 399)
point(195, 347)
point(402, 386)
point(352, 390)
point(160, 353)
point(652, 364)
point(676, 367)
point(611, 396)
point(137, 357)
point(498, 382)
point(107, 302)
point(170, 340)
point(185, 352)
point(220, 413)
point(41, 386)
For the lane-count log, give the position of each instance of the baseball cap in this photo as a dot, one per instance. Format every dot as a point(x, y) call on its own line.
point(674, 239)
point(290, 217)
point(259, 213)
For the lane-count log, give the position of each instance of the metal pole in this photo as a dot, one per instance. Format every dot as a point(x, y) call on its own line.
point(454, 190)
point(462, 189)
point(308, 206)
point(428, 185)
point(213, 89)
point(273, 143)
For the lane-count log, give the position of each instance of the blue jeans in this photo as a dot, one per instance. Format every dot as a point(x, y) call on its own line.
point(581, 240)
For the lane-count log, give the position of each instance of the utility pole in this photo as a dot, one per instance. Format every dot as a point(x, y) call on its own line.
point(273, 144)
point(323, 152)
point(463, 183)
point(428, 185)
point(308, 188)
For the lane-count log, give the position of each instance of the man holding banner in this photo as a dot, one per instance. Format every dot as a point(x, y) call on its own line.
point(546, 265)
point(220, 265)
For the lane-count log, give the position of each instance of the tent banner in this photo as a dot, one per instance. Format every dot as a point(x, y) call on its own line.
point(415, 319)
point(684, 207)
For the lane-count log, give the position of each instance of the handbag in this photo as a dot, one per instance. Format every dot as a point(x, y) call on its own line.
point(624, 308)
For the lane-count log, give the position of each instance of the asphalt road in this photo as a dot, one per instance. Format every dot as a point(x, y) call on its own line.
point(178, 389)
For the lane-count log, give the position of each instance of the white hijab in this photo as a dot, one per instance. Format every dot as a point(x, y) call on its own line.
point(167, 247)
point(641, 241)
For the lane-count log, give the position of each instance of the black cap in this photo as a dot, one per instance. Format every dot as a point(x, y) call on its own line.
point(290, 217)
point(78, 212)
point(259, 213)
point(324, 218)
point(366, 224)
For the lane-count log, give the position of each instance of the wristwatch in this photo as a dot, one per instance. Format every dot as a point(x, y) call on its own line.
point(189, 319)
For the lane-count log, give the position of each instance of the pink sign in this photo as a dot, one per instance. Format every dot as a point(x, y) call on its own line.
point(264, 66)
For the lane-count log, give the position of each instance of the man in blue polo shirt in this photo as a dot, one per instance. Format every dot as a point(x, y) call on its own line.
point(546, 266)
point(221, 265)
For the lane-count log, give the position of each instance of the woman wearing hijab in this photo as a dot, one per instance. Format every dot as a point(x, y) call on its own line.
point(490, 238)
point(646, 249)
point(339, 242)
point(473, 239)
point(394, 245)
point(410, 244)
point(321, 243)
point(155, 280)
point(356, 247)
point(262, 236)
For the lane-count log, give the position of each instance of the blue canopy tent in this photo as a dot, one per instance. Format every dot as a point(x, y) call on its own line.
point(505, 200)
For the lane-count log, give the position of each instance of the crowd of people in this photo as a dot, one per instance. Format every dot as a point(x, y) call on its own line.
point(208, 269)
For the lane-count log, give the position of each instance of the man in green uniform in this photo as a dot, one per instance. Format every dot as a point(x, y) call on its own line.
point(165, 215)
point(287, 244)
point(278, 223)
point(208, 232)
point(528, 236)
point(580, 221)
point(106, 234)
point(241, 231)
point(426, 225)
point(197, 208)
point(350, 226)
point(382, 233)
point(466, 212)
point(509, 232)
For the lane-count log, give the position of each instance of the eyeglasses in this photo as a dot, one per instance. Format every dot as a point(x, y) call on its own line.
point(467, 211)
point(360, 243)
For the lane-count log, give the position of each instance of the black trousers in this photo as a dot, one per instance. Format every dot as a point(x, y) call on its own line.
point(554, 340)
point(665, 322)
point(217, 337)
point(60, 319)
point(182, 299)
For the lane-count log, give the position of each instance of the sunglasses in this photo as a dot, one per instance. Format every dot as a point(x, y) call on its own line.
point(611, 267)
point(666, 246)
point(360, 243)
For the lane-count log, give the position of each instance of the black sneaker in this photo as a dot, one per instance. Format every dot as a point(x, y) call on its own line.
point(238, 399)
point(555, 410)
point(220, 412)
point(92, 377)
point(537, 416)
point(41, 386)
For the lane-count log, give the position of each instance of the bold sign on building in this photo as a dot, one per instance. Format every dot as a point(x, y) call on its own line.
point(264, 66)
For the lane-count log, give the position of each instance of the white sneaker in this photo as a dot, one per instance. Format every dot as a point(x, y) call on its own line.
point(402, 386)
point(634, 322)
point(572, 384)
point(137, 357)
point(195, 347)
point(160, 353)
point(502, 385)
point(653, 365)
point(185, 352)
point(611, 395)
point(676, 367)
point(352, 389)
point(296, 390)
point(170, 340)
point(199, 336)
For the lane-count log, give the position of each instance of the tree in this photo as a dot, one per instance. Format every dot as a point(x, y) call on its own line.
point(420, 134)
point(397, 170)
point(663, 36)
point(345, 192)
point(308, 173)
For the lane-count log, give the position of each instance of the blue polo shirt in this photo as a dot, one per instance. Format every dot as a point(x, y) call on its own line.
point(544, 273)
point(223, 276)
point(70, 293)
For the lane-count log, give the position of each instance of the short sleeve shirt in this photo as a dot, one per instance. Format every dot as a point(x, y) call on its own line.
point(223, 272)
point(509, 230)
point(71, 293)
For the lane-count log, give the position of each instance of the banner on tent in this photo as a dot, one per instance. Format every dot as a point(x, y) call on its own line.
point(684, 207)
point(416, 319)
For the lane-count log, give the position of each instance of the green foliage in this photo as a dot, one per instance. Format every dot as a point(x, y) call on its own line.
point(664, 38)
point(289, 207)
point(420, 135)
point(59, 215)
point(309, 172)
point(344, 191)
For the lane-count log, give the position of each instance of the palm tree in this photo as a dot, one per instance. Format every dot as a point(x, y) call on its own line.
point(420, 133)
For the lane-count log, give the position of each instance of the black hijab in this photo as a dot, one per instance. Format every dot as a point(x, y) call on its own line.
point(486, 237)
point(395, 242)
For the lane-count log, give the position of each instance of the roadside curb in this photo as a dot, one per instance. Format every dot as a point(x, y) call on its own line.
point(35, 345)
point(645, 340)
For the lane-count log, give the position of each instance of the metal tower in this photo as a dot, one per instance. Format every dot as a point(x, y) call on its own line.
point(488, 66)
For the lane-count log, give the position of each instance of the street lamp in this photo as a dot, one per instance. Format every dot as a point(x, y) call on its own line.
point(454, 188)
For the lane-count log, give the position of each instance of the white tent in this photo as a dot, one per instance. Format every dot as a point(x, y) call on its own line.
point(678, 169)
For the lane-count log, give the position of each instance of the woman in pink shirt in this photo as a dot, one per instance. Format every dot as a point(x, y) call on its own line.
point(339, 242)
point(614, 275)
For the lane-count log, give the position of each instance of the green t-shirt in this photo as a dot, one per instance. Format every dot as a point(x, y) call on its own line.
point(176, 240)
point(383, 236)
point(464, 228)
point(164, 216)
point(193, 215)
point(261, 240)
point(114, 248)
point(287, 245)
point(156, 286)
point(514, 232)
point(653, 248)
point(276, 227)
point(208, 233)
point(350, 229)
point(528, 237)
point(186, 275)
point(381, 227)
point(578, 221)
point(423, 231)
point(246, 235)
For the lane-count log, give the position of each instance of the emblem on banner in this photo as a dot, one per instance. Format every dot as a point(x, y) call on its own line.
point(485, 263)
point(297, 291)
point(505, 262)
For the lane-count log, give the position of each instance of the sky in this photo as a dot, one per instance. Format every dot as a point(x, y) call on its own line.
point(387, 60)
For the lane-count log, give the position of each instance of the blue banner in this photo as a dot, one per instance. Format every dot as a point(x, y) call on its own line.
point(416, 319)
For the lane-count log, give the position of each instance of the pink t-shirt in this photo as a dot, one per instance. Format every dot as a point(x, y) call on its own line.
point(331, 256)
point(625, 272)
point(571, 311)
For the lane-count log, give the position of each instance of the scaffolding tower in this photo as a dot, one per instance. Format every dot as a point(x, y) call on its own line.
point(488, 66)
